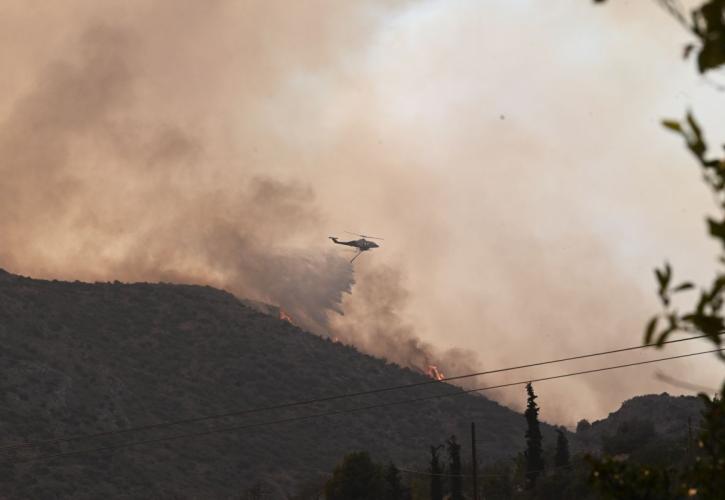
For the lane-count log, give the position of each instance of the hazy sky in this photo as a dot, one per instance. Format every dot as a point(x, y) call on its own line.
point(508, 151)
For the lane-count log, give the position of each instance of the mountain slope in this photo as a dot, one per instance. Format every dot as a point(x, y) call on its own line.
point(653, 428)
point(82, 358)
point(668, 414)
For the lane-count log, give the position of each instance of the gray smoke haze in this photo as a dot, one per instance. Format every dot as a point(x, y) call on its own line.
point(91, 190)
point(506, 153)
point(86, 194)
point(373, 322)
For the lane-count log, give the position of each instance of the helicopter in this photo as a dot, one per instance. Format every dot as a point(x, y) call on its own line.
point(362, 244)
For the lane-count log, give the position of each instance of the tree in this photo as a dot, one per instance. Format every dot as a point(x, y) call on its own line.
point(630, 436)
point(356, 478)
point(583, 425)
point(456, 472)
point(561, 459)
point(393, 488)
point(616, 479)
point(534, 455)
point(707, 24)
point(706, 477)
point(436, 474)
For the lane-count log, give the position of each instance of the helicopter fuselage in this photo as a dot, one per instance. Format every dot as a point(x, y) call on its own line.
point(361, 244)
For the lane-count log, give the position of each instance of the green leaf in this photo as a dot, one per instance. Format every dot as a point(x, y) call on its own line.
point(687, 50)
point(704, 300)
point(683, 286)
point(717, 229)
point(650, 330)
point(660, 278)
point(694, 126)
point(711, 55)
point(663, 337)
point(672, 125)
point(674, 324)
point(708, 324)
point(663, 278)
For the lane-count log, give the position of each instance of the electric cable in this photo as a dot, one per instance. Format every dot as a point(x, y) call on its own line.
point(352, 410)
point(326, 399)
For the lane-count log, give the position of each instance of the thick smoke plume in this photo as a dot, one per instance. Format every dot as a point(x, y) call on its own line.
point(374, 321)
point(506, 152)
point(94, 187)
point(89, 191)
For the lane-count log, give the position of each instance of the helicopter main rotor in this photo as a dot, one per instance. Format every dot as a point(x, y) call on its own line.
point(364, 235)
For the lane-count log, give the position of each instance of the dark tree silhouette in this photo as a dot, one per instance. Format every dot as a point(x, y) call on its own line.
point(583, 425)
point(561, 459)
point(455, 469)
point(533, 453)
point(356, 478)
point(436, 474)
point(393, 488)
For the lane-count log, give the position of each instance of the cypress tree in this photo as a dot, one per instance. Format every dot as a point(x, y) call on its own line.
point(436, 474)
point(534, 455)
point(454, 457)
point(561, 459)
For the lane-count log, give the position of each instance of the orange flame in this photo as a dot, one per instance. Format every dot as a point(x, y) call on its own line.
point(434, 373)
point(285, 317)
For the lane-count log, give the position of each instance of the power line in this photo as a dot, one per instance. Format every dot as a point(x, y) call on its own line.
point(283, 406)
point(351, 410)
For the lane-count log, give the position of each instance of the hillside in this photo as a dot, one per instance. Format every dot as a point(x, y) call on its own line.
point(83, 358)
point(653, 429)
point(668, 414)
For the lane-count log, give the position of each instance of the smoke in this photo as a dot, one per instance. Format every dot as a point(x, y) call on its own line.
point(101, 183)
point(375, 321)
point(94, 191)
point(86, 193)
point(508, 168)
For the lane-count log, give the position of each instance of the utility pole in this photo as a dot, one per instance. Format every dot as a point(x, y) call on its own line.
point(474, 461)
point(689, 438)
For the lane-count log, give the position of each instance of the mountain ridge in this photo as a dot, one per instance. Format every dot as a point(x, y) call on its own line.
point(82, 358)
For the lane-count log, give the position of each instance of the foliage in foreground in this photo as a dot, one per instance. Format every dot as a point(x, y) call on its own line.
point(705, 478)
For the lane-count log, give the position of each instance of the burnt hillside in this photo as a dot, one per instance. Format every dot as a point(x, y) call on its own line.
point(82, 358)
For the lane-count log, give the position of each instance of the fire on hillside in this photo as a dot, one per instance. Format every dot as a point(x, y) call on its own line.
point(285, 317)
point(434, 373)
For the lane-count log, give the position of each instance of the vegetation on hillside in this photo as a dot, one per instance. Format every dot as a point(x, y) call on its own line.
point(648, 430)
point(83, 358)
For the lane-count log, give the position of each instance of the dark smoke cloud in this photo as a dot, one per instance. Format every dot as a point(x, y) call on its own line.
point(95, 188)
point(88, 192)
point(218, 142)
point(375, 320)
